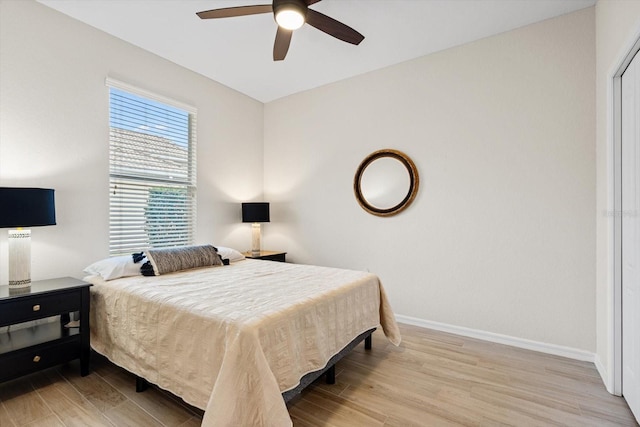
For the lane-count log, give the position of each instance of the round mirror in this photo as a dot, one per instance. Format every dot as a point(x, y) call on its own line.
point(386, 182)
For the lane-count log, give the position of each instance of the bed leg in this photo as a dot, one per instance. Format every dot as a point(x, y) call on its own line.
point(331, 375)
point(367, 343)
point(141, 384)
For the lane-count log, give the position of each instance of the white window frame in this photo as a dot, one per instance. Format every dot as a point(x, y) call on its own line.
point(128, 235)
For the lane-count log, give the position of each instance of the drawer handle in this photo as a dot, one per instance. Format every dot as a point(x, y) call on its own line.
point(36, 307)
point(36, 359)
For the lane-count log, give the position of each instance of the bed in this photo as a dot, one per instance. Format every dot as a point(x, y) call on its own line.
point(234, 339)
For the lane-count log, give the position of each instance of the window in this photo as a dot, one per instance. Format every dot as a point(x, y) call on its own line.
point(152, 173)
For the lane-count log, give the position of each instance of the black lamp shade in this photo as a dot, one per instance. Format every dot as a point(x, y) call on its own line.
point(26, 207)
point(255, 212)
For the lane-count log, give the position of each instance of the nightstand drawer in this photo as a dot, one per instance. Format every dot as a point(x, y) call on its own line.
point(39, 357)
point(38, 307)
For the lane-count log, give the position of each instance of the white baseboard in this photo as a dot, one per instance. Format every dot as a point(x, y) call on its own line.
point(557, 350)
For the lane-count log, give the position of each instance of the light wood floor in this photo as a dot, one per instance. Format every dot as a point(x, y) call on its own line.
point(432, 379)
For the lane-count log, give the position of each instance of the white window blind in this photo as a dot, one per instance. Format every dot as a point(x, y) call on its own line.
point(152, 173)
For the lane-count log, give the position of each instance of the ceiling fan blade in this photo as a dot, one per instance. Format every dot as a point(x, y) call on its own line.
point(310, 2)
point(229, 12)
point(281, 45)
point(334, 28)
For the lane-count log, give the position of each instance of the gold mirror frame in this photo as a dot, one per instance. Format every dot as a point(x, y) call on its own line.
point(414, 182)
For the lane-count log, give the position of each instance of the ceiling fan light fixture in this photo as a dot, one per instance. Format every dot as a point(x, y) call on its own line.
point(289, 19)
point(290, 14)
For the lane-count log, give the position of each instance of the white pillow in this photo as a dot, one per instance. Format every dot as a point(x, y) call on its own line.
point(115, 267)
point(230, 254)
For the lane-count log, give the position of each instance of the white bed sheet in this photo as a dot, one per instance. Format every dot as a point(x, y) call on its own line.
point(231, 339)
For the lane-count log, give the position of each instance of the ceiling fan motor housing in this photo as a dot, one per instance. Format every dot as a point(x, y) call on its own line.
point(299, 6)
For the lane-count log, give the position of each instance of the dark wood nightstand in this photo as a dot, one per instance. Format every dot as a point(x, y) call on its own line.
point(27, 350)
point(268, 255)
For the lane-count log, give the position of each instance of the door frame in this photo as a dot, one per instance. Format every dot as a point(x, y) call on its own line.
point(614, 129)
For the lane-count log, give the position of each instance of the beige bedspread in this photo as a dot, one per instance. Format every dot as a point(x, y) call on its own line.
point(231, 339)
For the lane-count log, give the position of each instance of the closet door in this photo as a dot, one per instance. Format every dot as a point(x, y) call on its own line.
point(631, 236)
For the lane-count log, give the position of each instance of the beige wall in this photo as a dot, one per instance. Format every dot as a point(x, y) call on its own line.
point(54, 133)
point(617, 28)
point(501, 237)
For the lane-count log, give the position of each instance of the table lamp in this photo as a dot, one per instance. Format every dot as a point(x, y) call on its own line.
point(255, 213)
point(24, 207)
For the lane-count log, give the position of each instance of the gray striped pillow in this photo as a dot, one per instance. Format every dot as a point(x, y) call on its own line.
point(182, 258)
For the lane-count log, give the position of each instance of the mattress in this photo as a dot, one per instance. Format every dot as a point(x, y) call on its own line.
point(230, 339)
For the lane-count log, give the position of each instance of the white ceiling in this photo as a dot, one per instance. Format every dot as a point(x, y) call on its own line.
point(237, 52)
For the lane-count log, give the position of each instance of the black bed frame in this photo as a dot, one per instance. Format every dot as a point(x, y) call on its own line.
point(329, 369)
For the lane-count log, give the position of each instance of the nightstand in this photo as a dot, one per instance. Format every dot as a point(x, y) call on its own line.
point(267, 255)
point(27, 350)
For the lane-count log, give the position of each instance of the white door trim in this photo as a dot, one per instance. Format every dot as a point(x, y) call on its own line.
point(614, 205)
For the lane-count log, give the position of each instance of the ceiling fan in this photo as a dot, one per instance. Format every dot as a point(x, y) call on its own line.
point(290, 15)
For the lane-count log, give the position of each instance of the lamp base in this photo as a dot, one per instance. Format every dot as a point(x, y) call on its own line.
point(20, 284)
point(19, 259)
point(255, 239)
